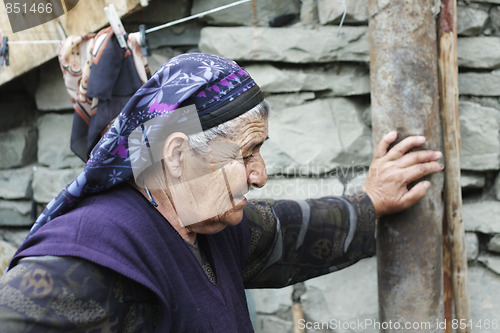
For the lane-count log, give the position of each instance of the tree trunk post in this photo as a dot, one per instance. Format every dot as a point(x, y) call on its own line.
point(405, 98)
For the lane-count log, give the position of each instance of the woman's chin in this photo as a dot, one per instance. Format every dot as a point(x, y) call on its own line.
point(216, 224)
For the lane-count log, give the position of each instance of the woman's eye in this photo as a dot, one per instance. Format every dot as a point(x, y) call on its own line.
point(246, 158)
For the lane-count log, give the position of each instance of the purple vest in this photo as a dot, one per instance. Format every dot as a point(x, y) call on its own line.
point(121, 230)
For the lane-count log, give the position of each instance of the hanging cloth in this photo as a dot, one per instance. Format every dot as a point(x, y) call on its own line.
point(100, 78)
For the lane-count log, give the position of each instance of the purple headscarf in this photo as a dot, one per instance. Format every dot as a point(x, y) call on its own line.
point(220, 89)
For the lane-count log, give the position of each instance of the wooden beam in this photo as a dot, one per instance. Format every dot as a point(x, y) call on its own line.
point(86, 17)
point(448, 77)
point(404, 96)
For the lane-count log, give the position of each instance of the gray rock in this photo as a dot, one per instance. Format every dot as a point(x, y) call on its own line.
point(494, 244)
point(344, 296)
point(16, 183)
point(484, 290)
point(243, 14)
point(331, 11)
point(471, 180)
point(54, 141)
point(272, 301)
point(268, 44)
point(159, 12)
point(273, 324)
point(480, 139)
point(14, 236)
point(16, 110)
point(491, 261)
point(47, 182)
point(497, 187)
point(18, 147)
point(15, 213)
point(479, 84)
point(487, 1)
point(6, 253)
point(316, 137)
point(187, 34)
point(482, 216)
point(336, 296)
point(472, 245)
point(479, 52)
point(297, 188)
point(309, 13)
point(356, 183)
point(283, 101)
point(160, 56)
point(495, 19)
point(491, 102)
point(470, 21)
point(51, 93)
point(344, 80)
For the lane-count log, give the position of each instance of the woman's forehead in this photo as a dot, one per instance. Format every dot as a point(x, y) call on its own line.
point(251, 133)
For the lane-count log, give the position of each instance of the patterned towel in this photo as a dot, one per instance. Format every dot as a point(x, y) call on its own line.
point(100, 78)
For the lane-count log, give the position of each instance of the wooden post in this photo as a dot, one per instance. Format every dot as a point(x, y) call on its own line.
point(448, 77)
point(447, 280)
point(404, 96)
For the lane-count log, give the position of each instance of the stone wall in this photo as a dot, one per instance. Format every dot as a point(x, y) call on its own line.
point(316, 78)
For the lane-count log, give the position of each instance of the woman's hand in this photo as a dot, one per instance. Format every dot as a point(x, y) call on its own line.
point(392, 171)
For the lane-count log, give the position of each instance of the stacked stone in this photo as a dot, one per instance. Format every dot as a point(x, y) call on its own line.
point(36, 158)
point(18, 137)
point(315, 75)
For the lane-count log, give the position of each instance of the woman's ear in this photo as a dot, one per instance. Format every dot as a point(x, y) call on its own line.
point(174, 148)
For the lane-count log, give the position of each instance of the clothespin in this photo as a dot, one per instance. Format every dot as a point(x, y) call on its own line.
point(4, 51)
point(116, 24)
point(145, 50)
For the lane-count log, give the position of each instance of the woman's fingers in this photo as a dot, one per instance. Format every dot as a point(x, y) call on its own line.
point(404, 146)
point(416, 194)
point(417, 171)
point(391, 171)
point(421, 156)
point(384, 144)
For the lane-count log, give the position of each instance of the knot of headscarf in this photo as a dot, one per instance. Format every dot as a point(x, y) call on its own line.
point(219, 88)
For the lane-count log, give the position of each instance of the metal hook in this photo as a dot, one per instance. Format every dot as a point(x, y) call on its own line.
point(342, 2)
point(145, 50)
point(4, 51)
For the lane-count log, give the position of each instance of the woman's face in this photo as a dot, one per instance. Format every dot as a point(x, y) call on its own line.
point(210, 195)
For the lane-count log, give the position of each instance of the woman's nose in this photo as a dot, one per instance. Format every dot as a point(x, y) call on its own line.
point(257, 174)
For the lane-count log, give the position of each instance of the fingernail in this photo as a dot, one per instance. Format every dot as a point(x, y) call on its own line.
point(441, 166)
point(426, 184)
point(421, 139)
point(438, 155)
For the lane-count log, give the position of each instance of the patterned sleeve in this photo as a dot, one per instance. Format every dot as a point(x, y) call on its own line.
point(67, 294)
point(292, 241)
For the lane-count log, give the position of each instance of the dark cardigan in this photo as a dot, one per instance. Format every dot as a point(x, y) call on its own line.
point(121, 230)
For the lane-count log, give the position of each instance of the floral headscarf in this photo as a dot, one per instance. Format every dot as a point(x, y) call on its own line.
point(219, 88)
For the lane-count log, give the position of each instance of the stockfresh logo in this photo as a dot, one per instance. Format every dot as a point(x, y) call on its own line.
point(25, 14)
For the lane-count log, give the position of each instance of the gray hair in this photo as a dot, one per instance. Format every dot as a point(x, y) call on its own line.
point(226, 130)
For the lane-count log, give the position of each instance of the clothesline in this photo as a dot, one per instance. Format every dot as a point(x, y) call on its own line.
point(4, 51)
point(163, 26)
point(34, 41)
point(166, 25)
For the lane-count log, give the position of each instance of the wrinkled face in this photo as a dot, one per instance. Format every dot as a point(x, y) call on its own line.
point(211, 195)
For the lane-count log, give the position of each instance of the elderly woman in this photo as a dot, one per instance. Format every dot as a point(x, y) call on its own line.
point(156, 235)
